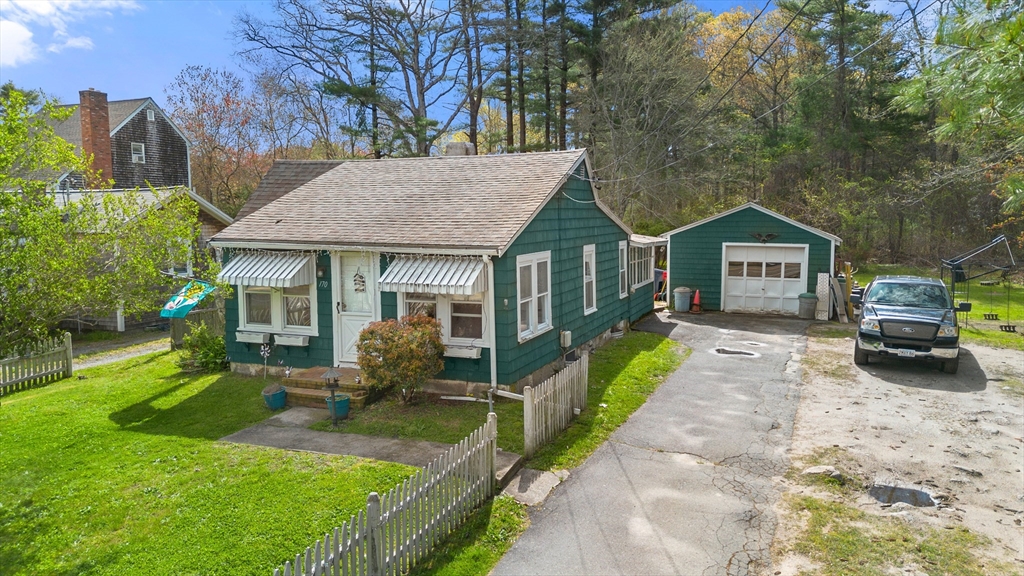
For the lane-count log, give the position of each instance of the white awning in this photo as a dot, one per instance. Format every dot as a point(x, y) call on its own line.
point(641, 240)
point(284, 270)
point(435, 275)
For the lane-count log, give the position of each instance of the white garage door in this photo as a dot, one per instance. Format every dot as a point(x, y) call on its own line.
point(764, 278)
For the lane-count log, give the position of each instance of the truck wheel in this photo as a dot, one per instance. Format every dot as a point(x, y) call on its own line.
point(950, 366)
point(860, 357)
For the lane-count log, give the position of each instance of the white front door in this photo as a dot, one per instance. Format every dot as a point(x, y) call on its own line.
point(763, 278)
point(355, 299)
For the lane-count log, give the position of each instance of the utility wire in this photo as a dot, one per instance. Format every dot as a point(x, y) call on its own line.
point(786, 100)
point(703, 80)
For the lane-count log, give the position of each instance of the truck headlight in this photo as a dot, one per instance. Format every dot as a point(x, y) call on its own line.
point(870, 324)
point(948, 330)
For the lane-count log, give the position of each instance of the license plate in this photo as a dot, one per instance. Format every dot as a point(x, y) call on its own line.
point(904, 353)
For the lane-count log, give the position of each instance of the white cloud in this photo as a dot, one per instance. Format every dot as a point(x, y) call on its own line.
point(16, 45)
point(80, 42)
point(22, 19)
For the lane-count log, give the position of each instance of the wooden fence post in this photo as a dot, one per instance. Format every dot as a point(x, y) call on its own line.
point(492, 452)
point(69, 368)
point(373, 536)
point(529, 421)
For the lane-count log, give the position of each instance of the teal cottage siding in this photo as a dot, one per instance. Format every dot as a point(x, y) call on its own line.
point(696, 251)
point(444, 233)
point(567, 223)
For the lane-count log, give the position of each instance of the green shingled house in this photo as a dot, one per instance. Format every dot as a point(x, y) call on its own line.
point(749, 259)
point(513, 254)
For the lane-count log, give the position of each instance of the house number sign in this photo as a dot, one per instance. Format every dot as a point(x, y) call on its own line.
point(321, 284)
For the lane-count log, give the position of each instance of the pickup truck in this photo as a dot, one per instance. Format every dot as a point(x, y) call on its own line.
point(908, 317)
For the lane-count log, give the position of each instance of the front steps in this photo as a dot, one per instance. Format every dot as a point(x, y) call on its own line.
point(306, 387)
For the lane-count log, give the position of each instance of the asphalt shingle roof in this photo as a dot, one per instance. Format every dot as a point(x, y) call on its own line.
point(283, 177)
point(465, 202)
point(71, 129)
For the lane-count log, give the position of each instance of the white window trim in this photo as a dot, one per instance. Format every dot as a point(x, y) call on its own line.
point(444, 312)
point(277, 313)
point(623, 269)
point(589, 251)
point(532, 260)
point(642, 265)
point(138, 157)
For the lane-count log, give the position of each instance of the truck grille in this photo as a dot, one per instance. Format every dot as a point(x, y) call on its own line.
point(919, 331)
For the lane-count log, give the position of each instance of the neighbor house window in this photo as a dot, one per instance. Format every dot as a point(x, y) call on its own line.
point(589, 281)
point(623, 276)
point(533, 285)
point(138, 153)
point(641, 265)
point(286, 310)
point(150, 115)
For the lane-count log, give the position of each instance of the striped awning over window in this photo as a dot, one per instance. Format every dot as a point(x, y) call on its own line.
point(435, 275)
point(284, 270)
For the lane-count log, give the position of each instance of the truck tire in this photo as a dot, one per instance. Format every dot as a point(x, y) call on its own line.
point(860, 357)
point(951, 366)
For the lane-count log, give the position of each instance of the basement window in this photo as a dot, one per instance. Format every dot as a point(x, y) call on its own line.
point(138, 153)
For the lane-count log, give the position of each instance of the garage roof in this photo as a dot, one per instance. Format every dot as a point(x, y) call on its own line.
point(760, 208)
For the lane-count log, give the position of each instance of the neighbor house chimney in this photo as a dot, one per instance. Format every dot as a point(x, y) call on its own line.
point(460, 149)
point(96, 134)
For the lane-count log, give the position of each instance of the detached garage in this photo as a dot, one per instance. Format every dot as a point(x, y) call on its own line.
point(749, 259)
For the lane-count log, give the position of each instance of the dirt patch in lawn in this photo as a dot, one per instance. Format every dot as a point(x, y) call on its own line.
point(900, 434)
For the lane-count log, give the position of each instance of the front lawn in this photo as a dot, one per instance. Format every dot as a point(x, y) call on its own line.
point(122, 473)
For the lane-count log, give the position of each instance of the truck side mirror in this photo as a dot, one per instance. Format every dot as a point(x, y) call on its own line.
point(854, 299)
point(964, 307)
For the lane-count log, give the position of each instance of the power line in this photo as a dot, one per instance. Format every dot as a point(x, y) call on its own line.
point(821, 77)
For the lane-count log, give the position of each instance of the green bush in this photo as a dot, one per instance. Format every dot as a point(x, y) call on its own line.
point(202, 350)
point(401, 354)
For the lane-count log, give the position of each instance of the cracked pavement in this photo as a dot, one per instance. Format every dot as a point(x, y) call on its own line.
point(687, 484)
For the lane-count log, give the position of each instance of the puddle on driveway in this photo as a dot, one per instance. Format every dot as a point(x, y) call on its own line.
point(734, 352)
point(754, 344)
point(887, 494)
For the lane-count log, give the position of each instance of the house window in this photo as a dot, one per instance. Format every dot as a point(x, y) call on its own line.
point(283, 310)
point(641, 265)
point(462, 317)
point(589, 282)
point(425, 304)
point(533, 285)
point(466, 317)
point(138, 153)
point(296, 307)
point(150, 115)
point(623, 275)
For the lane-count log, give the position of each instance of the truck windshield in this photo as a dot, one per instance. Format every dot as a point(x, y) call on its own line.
point(909, 294)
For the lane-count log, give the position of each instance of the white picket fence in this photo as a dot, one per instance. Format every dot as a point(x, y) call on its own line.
point(400, 529)
point(45, 362)
point(550, 407)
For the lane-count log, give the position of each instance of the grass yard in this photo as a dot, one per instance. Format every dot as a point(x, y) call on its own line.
point(122, 473)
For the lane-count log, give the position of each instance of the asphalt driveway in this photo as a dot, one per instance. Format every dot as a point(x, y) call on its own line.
point(685, 486)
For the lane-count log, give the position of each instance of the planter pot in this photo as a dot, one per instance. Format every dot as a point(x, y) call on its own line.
point(339, 408)
point(275, 398)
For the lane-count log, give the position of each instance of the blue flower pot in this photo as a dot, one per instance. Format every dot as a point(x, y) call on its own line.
point(339, 408)
point(275, 400)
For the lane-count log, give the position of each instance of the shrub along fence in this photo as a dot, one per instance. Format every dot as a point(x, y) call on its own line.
point(213, 317)
point(45, 362)
point(550, 407)
point(400, 529)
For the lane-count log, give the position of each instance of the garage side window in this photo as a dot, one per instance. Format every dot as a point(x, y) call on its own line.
point(623, 275)
point(533, 285)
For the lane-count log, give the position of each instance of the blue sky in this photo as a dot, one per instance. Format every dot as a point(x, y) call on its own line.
point(127, 48)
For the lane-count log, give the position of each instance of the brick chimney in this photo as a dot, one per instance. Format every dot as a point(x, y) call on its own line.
point(96, 133)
